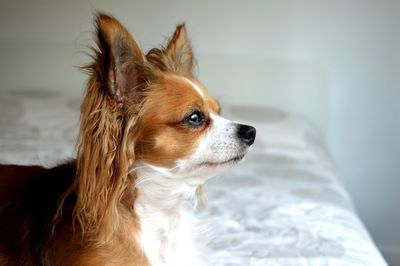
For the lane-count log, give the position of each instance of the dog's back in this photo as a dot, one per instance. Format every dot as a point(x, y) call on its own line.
point(29, 196)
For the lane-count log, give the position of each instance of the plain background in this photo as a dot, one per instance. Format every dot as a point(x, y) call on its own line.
point(335, 62)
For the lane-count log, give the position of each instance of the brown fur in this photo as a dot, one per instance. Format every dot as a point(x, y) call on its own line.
point(82, 212)
point(163, 121)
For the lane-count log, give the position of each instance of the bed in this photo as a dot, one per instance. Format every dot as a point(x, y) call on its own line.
point(284, 205)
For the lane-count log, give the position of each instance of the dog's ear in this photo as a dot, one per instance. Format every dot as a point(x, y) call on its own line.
point(119, 58)
point(103, 152)
point(179, 51)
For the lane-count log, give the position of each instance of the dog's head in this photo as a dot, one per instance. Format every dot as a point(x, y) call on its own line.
point(177, 125)
point(148, 110)
point(180, 130)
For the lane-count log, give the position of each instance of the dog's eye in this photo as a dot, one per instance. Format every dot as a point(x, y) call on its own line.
point(195, 119)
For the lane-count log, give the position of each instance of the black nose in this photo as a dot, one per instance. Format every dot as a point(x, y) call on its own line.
point(247, 134)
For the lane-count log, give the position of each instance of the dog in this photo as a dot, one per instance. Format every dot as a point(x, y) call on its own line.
point(150, 136)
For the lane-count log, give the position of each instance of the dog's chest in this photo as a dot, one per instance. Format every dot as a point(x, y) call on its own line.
point(167, 237)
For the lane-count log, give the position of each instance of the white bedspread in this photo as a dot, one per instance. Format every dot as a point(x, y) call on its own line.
point(284, 205)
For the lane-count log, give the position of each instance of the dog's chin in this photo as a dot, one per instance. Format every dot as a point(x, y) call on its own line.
point(225, 163)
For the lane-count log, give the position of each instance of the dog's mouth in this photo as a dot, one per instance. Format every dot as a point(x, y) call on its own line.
point(233, 160)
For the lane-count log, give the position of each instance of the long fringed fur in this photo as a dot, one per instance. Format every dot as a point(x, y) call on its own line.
point(104, 155)
point(101, 166)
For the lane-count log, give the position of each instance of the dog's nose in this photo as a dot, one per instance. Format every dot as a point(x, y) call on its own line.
point(247, 134)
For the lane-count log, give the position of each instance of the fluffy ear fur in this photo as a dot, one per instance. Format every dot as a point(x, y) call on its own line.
point(104, 154)
point(177, 56)
point(119, 58)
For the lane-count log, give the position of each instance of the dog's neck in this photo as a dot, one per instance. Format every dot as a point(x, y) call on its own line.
point(161, 206)
point(160, 191)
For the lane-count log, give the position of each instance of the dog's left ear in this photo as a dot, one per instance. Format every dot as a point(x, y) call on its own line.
point(117, 76)
point(120, 58)
point(179, 51)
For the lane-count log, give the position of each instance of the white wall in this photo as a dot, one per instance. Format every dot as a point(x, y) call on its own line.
point(336, 62)
point(240, 48)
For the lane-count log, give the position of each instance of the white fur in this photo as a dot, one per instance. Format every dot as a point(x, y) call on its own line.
point(164, 195)
point(166, 223)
